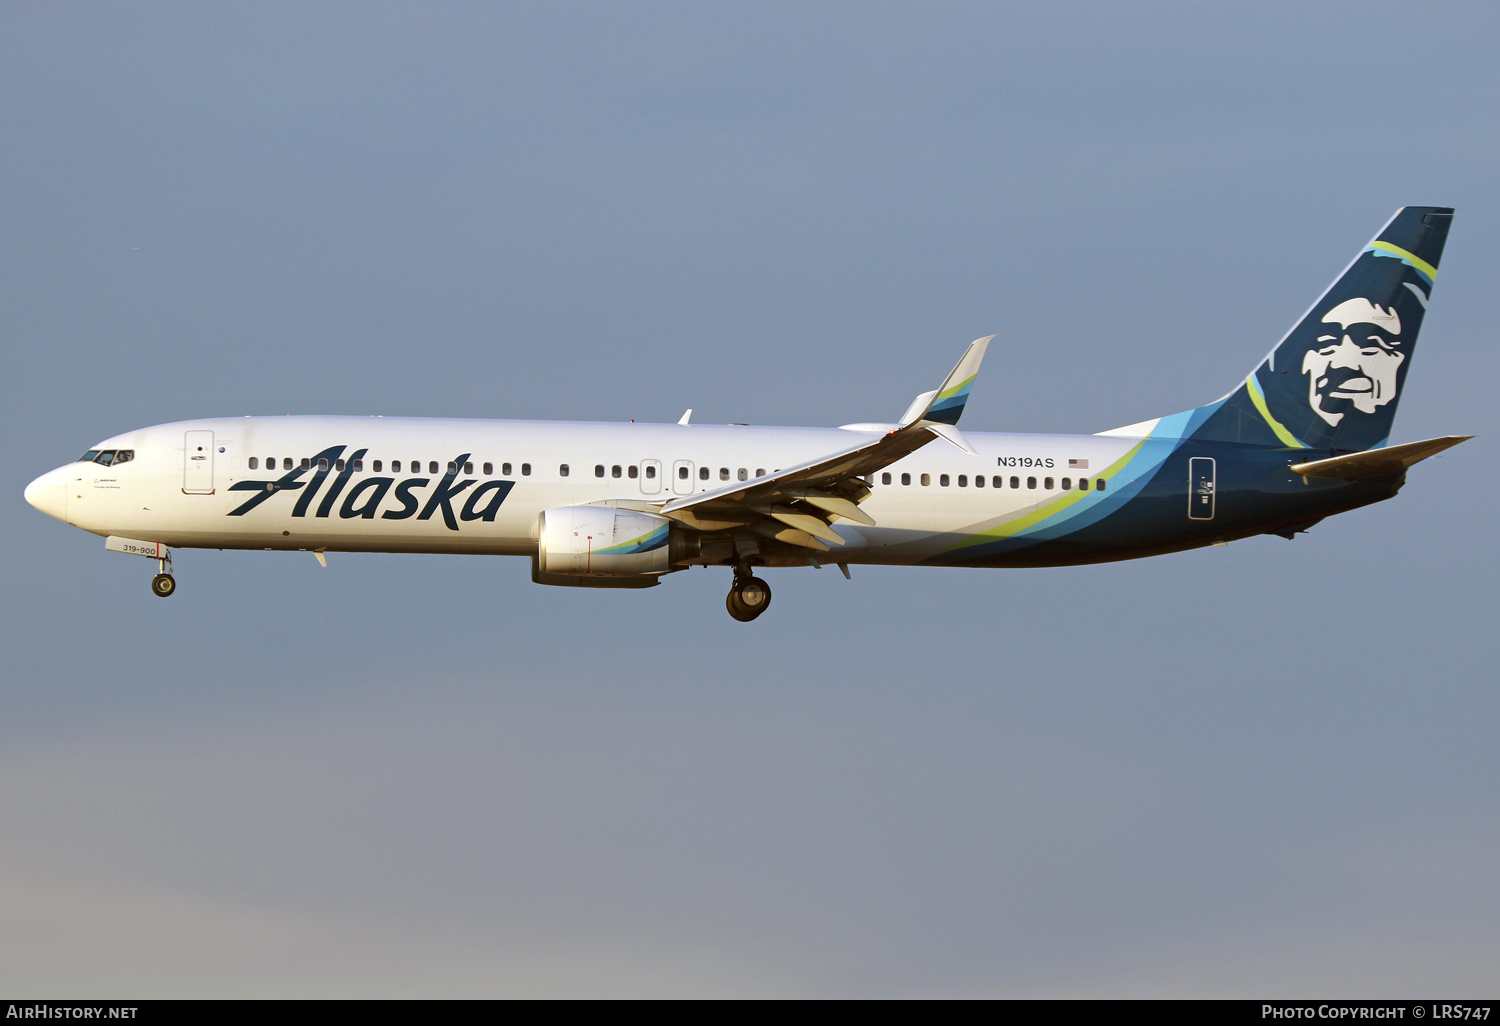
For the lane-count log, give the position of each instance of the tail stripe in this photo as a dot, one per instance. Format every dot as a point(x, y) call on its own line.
point(1416, 263)
point(951, 401)
point(1259, 400)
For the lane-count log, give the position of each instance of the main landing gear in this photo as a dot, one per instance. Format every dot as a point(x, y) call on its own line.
point(748, 596)
point(163, 584)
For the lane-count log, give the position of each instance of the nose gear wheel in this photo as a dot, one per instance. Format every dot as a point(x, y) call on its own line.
point(163, 584)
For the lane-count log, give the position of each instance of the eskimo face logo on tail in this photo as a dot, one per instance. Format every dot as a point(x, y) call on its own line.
point(1352, 369)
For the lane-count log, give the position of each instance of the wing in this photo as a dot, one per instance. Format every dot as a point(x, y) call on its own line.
point(797, 505)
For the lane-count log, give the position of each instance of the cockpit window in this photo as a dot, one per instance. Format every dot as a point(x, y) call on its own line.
point(107, 457)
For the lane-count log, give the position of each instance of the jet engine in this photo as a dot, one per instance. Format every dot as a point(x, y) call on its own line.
point(602, 541)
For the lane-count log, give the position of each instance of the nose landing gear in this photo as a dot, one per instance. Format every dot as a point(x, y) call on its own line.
point(748, 597)
point(163, 584)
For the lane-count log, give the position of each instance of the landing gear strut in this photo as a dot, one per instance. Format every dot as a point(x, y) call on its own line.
point(163, 584)
point(748, 596)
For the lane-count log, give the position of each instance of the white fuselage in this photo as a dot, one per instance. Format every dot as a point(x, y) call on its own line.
point(181, 492)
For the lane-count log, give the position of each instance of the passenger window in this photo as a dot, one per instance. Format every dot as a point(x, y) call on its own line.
point(526, 470)
point(307, 464)
point(702, 473)
point(505, 470)
point(323, 464)
point(906, 479)
point(358, 465)
point(926, 480)
point(452, 467)
point(1031, 482)
point(562, 470)
point(469, 467)
point(1048, 484)
point(632, 470)
point(1083, 484)
point(489, 468)
point(1067, 484)
point(599, 470)
point(614, 471)
point(760, 471)
point(1015, 482)
point(432, 466)
point(682, 473)
point(943, 480)
point(744, 474)
point(650, 473)
point(885, 479)
point(338, 465)
point(963, 480)
point(978, 480)
point(254, 463)
point(1099, 485)
point(723, 473)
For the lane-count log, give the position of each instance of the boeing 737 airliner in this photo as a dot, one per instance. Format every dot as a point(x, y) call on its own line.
point(594, 505)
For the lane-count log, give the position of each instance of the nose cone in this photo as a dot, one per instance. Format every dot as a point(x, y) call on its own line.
point(49, 493)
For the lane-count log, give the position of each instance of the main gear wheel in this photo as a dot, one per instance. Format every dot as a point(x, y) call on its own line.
point(748, 598)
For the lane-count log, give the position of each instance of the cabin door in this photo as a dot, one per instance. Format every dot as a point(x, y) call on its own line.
point(1201, 488)
point(198, 463)
point(650, 477)
point(682, 477)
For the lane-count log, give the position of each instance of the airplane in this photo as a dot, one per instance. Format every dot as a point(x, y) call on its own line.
point(606, 505)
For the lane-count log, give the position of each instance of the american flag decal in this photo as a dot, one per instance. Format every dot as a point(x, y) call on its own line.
point(1078, 464)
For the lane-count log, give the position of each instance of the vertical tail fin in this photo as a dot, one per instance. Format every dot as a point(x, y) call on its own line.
point(1333, 382)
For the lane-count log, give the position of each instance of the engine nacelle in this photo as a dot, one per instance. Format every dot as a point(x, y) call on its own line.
point(602, 541)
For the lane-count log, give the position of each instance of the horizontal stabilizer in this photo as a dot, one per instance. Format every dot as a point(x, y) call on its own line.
point(1359, 466)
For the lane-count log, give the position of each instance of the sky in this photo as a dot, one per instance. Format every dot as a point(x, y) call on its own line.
point(1266, 769)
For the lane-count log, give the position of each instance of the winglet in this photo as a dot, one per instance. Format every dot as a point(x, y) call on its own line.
point(686, 416)
point(946, 405)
